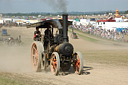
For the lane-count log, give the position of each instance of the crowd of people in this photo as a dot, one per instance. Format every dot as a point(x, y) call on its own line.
point(104, 33)
point(10, 24)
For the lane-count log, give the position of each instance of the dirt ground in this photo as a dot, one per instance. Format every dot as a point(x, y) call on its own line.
point(105, 61)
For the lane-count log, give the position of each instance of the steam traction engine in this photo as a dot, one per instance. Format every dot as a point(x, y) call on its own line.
point(58, 54)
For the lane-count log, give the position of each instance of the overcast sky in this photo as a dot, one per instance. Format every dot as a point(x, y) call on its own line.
point(28, 6)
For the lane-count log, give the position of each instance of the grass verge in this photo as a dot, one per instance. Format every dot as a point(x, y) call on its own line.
point(84, 36)
point(6, 81)
point(112, 57)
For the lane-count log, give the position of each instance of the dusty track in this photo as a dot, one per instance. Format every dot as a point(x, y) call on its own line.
point(105, 62)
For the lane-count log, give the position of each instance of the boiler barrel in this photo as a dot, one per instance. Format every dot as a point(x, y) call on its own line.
point(65, 49)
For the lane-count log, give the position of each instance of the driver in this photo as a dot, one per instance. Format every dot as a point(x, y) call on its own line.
point(37, 34)
point(47, 38)
point(48, 32)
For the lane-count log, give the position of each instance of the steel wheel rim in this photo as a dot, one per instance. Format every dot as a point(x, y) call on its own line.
point(35, 56)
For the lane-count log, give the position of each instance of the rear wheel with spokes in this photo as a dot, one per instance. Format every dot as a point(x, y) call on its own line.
point(36, 55)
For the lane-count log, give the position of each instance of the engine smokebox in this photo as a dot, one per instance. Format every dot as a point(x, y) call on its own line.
point(65, 49)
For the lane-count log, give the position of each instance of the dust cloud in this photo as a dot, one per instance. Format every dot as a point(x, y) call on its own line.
point(15, 59)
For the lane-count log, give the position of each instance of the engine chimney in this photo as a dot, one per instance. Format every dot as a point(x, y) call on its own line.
point(65, 27)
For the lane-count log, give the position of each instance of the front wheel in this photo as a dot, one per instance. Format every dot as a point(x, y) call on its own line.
point(55, 63)
point(78, 63)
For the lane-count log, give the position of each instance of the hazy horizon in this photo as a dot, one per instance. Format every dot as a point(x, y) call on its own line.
point(53, 6)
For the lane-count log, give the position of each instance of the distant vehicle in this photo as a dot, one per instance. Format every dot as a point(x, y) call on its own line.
point(11, 41)
point(4, 32)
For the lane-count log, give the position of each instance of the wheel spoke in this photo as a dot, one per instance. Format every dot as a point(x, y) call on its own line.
point(34, 47)
point(55, 63)
point(78, 63)
point(35, 56)
point(78, 66)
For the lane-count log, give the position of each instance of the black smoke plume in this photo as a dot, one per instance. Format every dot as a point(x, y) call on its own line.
point(58, 5)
